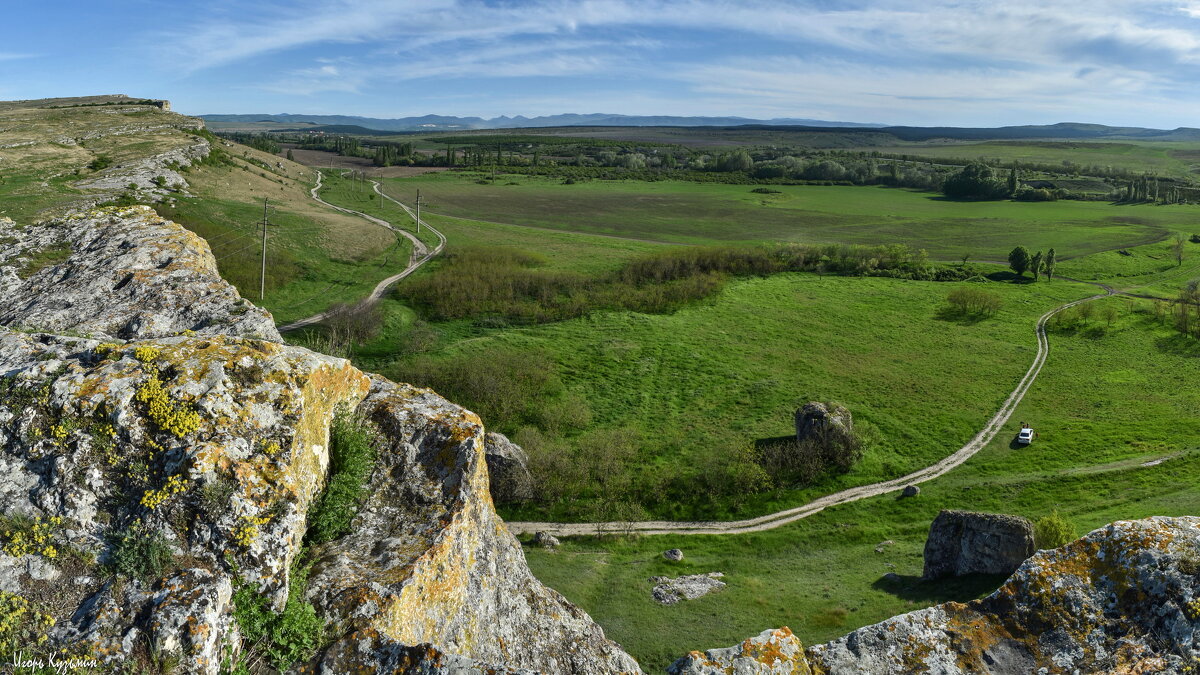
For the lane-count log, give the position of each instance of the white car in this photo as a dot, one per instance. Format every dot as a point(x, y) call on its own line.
point(1025, 437)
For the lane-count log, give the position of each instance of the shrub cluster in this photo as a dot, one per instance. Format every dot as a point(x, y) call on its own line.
point(1053, 531)
point(509, 283)
point(794, 462)
point(351, 460)
point(973, 302)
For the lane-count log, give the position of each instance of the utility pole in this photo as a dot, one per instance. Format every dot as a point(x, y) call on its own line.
point(262, 281)
point(418, 211)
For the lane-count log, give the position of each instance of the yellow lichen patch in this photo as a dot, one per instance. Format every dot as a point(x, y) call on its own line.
point(36, 538)
point(433, 606)
point(20, 623)
point(176, 484)
point(326, 389)
point(246, 532)
point(167, 415)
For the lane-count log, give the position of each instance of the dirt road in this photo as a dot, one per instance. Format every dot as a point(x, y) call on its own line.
point(421, 253)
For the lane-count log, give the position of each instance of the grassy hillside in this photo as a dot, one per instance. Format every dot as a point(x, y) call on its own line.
point(315, 256)
point(1103, 422)
point(45, 149)
point(704, 213)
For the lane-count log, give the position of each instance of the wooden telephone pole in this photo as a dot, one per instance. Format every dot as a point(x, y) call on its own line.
point(262, 280)
point(418, 211)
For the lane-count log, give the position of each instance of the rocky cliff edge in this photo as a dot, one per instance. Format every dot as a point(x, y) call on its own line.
point(160, 452)
point(1123, 599)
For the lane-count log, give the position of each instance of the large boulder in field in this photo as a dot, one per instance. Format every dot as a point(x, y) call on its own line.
point(1123, 599)
point(823, 422)
point(508, 469)
point(964, 542)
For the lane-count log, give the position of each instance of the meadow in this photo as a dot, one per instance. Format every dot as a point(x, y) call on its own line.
point(315, 256)
point(1118, 424)
point(691, 213)
point(652, 406)
point(1162, 158)
point(696, 385)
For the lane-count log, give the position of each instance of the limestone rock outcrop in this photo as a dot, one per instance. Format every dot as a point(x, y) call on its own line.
point(772, 652)
point(508, 467)
point(1123, 599)
point(119, 273)
point(671, 590)
point(162, 458)
point(816, 421)
point(964, 542)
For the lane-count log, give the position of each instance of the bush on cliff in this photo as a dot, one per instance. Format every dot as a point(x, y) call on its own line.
point(351, 460)
point(1053, 531)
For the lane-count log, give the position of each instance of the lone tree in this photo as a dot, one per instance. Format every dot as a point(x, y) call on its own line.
point(1177, 248)
point(1019, 260)
point(1036, 264)
point(1048, 265)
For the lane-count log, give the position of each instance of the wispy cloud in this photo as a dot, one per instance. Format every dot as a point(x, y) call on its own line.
point(797, 56)
point(10, 56)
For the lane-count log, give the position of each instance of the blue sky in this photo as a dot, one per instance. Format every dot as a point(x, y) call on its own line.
point(938, 62)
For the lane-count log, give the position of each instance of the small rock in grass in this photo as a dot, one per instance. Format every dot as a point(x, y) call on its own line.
point(884, 544)
point(673, 554)
point(669, 591)
point(545, 540)
point(911, 491)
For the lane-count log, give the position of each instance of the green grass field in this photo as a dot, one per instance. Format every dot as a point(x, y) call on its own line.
point(705, 213)
point(1104, 406)
point(315, 256)
point(1114, 404)
point(1163, 158)
point(730, 371)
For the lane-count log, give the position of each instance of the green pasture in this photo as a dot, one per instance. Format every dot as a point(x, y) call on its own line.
point(303, 276)
point(694, 213)
point(1110, 403)
point(1162, 158)
point(731, 371)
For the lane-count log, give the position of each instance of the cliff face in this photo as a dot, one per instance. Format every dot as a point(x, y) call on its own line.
point(119, 274)
point(160, 449)
point(1123, 599)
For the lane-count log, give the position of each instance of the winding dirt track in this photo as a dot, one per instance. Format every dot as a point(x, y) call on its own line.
point(421, 253)
point(773, 520)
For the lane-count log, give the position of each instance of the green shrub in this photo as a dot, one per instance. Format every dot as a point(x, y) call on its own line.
point(351, 460)
point(282, 639)
point(215, 496)
point(140, 554)
point(100, 162)
point(973, 302)
point(506, 283)
point(506, 387)
point(1053, 531)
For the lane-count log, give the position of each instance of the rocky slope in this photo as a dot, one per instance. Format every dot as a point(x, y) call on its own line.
point(1123, 599)
point(161, 452)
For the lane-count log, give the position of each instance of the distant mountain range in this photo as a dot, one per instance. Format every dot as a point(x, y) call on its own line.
point(354, 124)
point(448, 123)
